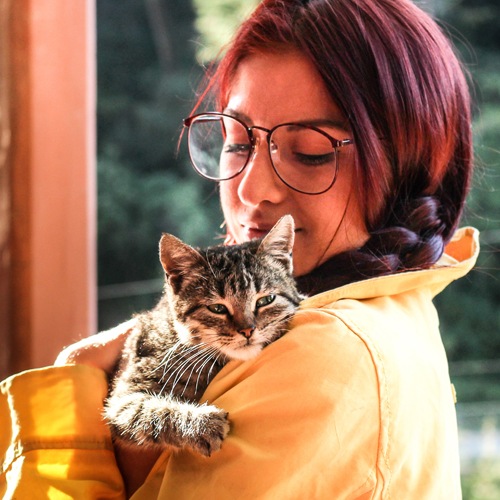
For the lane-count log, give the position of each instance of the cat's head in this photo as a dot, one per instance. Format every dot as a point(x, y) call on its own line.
point(235, 299)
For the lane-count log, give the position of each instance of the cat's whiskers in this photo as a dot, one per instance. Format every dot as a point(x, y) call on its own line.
point(168, 356)
point(196, 351)
point(178, 350)
point(177, 356)
point(205, 355)
point(200, 370)
point(169, 368)
point(201, 362)
point(197, 367)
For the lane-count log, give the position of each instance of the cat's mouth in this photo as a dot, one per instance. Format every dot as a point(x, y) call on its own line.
point(243, 351)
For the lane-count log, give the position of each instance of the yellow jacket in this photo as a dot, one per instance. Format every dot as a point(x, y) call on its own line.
point(355, 402)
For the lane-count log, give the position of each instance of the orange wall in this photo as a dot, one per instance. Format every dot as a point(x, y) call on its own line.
point(63, 181)
point(62, 188)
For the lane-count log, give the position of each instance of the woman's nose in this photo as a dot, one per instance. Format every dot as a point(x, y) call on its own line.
point(259, 182)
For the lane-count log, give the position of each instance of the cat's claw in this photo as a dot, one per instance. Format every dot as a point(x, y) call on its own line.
point(213, 428)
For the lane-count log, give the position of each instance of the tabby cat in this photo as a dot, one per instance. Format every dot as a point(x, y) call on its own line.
point(219, 304)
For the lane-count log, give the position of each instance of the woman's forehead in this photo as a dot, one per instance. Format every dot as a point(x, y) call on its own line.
point(278, 88)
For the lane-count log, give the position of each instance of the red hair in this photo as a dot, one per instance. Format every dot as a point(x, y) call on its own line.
point(394, 75)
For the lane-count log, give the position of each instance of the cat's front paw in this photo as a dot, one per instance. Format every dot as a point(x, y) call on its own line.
point(211, 427)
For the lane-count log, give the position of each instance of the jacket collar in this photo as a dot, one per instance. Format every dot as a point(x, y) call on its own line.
point(458, 259)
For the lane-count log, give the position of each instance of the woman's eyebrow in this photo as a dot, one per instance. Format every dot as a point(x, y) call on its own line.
point(324, 122)
point(319, 122)
point(237, 114)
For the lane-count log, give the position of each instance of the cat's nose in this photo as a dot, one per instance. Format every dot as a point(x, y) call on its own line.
point(247, 332)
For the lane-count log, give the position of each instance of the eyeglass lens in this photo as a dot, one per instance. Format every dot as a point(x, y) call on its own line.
point(303, 157)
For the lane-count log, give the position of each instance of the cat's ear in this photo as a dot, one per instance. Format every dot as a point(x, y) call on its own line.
point(177, 259)
point(279, 241)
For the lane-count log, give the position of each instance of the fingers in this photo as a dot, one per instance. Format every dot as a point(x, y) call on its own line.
point(101, 350)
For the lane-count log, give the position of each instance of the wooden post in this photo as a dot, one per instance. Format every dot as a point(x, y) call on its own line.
point(50, 165)
point(5, 196)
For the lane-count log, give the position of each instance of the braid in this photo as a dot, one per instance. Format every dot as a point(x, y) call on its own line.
point(412, 239)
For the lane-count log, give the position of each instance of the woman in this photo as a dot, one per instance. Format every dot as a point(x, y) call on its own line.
point(353, 116)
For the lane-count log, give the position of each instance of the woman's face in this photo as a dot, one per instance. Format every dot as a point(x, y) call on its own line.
point(267, 90)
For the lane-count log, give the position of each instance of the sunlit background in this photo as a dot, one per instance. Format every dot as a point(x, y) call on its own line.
point(150, 58)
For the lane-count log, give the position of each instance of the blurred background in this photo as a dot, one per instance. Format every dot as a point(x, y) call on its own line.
point(150, 64)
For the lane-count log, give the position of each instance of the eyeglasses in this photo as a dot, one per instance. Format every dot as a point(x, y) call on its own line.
point(303, 156)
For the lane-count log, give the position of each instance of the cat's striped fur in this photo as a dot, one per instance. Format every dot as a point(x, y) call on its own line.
point(219, 304)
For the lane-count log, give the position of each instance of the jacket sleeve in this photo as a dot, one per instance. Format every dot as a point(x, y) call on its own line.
point(53, 442)
point(305, 423)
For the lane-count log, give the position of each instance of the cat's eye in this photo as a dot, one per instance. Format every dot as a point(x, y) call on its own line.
point(264, 301)
point(218, 308)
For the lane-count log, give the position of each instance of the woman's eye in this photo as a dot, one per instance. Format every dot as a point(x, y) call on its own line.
point(314, 160)
point(236, 148)
point(217, 308)
point(264, 301)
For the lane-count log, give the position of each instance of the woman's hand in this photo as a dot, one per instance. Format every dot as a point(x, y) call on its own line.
point(101, 350)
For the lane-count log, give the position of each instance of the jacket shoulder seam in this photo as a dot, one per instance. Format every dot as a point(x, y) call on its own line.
point(386, 418)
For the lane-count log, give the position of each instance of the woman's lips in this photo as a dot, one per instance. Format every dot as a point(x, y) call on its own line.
point(253, 232)
point(258, 231)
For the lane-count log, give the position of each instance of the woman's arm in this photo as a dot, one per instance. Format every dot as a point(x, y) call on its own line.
point(54, 440)
point(100, 351)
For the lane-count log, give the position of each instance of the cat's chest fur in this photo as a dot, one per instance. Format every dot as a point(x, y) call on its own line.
point(158, 363)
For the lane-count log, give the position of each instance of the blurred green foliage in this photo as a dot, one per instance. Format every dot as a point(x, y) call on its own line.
point(145, 185)
point(482, 481)
point(216, 21)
